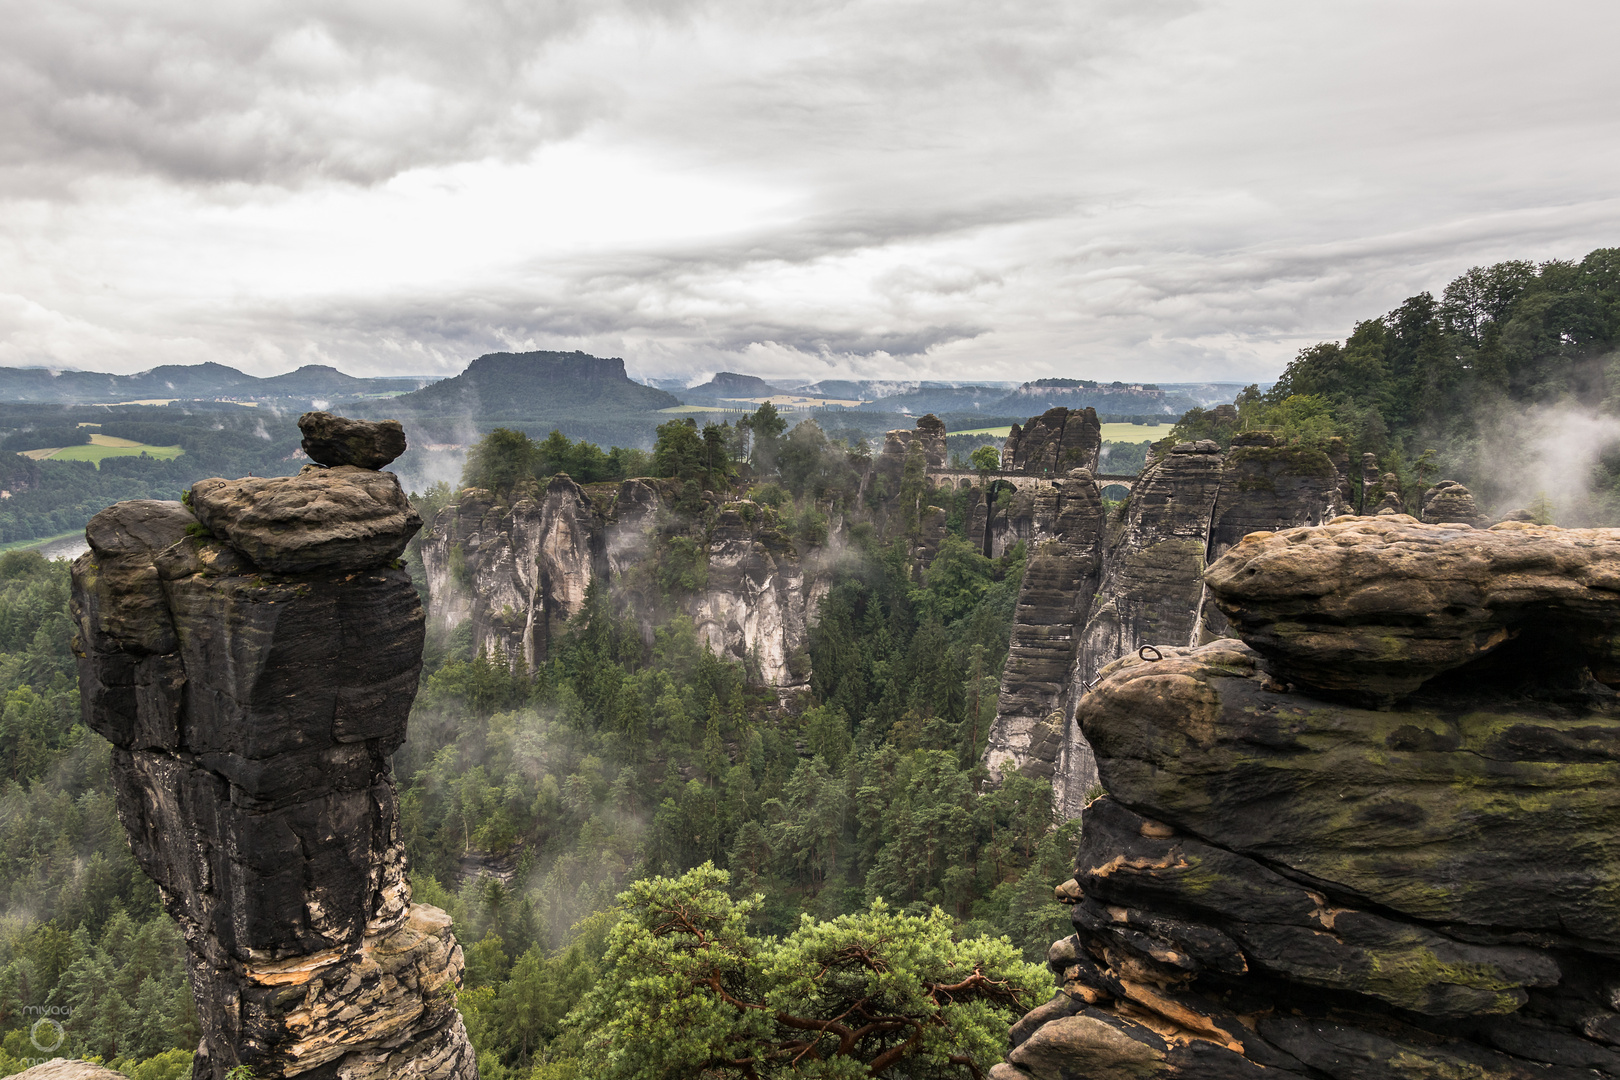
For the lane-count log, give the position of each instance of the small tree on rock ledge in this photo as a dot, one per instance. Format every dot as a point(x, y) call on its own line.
point(688, 992)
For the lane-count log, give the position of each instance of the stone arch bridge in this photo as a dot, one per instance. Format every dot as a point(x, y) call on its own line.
point(969, 478)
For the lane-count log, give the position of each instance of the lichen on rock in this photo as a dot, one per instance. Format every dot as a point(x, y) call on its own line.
point(1372, 608)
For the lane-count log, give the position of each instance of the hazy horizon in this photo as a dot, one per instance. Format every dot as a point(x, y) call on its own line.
point(1165, 192)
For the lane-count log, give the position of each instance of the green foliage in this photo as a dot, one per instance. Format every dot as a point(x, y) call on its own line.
point(55, 497)
point(1444, 374)
point(1123, 459)
point(621, 758)
point(41, 438)
point(761, 433)
point(686, 990)
point(510, 464)
point(504, 462)
point(812, 466)
point(169, 1065)
point(701, 459)
point(986, 459)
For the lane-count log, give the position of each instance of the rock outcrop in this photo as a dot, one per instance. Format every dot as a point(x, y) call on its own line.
point(753, 605)
point(1065, 559)
point(1145, 587)
point(1284, 885)
point(1267, 485)
point(1153, 584)
point(1448, 501)
point(519, 573)
point(253, 668)
point(1054, 443)
point(1373, 608)
point(929, 434)
point(345, 518)
point(66, 1069)
point(338, 440)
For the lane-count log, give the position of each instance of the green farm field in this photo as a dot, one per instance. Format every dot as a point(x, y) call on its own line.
point(1135, 433)
point(106, 446)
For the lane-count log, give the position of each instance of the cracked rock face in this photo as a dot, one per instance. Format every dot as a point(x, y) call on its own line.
point(1289, 886)
point(1372, 608)
point(252, 712)
point(519, 573)
point(1053, 443)
point(345, 518)
point(1030, 732)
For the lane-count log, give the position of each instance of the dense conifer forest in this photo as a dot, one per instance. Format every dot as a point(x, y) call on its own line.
point(633, 763)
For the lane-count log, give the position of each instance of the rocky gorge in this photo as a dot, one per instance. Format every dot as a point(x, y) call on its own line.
point(252, 656)
point(1100, 586)
point(514, 572)
point(1372, 836)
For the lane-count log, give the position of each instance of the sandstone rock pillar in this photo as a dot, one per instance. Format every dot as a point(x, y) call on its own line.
point(253, 659)
point(1284, 883)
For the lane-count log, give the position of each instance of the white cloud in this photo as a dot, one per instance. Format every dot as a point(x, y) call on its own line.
point(949, 188)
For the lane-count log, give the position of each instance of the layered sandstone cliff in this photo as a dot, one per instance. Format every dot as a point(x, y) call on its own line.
point(519, 573)
point(1054, 443)
point(1054, 600)
point(1144, 587)
point(253, 659)
point(1283, 882)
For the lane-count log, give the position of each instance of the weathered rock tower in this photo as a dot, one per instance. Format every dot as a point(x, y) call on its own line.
point(1374, 839)
point(253, 658)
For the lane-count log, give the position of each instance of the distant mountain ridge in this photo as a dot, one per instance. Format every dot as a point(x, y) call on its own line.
point(185, 382)
point(1116, 397)
point(728, 386)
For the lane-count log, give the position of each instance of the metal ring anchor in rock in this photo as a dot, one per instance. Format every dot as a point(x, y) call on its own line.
point(1155, 658)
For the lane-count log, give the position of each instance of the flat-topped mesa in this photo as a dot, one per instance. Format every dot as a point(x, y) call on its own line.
point(253, 667)
point(1369, 609)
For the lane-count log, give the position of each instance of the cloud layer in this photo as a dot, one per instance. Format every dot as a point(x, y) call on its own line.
point(949, 189)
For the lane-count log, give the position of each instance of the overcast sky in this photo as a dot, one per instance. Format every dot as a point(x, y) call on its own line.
point(1143, 189)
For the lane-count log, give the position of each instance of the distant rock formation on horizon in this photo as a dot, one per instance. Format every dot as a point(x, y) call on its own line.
point(728, 386)
point(533, 384)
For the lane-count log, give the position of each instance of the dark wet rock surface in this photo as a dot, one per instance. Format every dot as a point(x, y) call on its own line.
point(253, 691)
point(1282, 882)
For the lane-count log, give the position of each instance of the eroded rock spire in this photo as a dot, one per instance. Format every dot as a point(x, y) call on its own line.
point(253, 659)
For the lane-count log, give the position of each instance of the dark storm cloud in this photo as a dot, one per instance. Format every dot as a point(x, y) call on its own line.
point(283, 93)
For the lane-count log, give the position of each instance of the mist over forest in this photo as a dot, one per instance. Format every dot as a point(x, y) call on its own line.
point(543, 796)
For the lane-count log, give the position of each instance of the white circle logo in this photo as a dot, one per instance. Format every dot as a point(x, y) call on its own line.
point(49, 1028)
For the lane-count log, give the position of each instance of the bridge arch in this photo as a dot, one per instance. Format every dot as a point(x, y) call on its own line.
point(963, 479)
